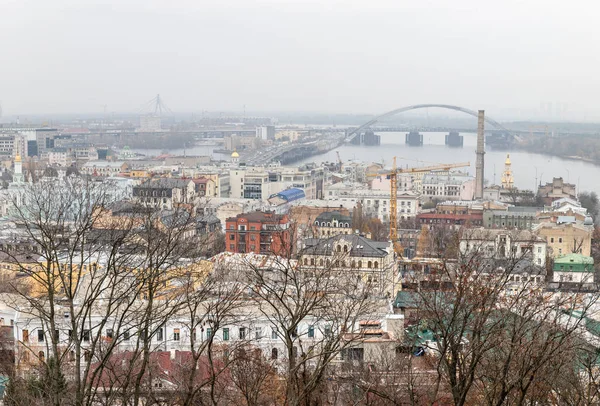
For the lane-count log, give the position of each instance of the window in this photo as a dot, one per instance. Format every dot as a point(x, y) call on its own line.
point(376, 264)
point(176, 334)
point(40, 333)
point(41, 356)
point(274, 353)
point(539, 250)
point(232, 247)
point(87, 356)
point(209, 332)
point(327, 331)
point(551, 239)
point(258, 333)
point(25, 336)
point(86, 335)
point(559, 239)
point(109, 333)
point(311, 331)
point(242, 332)
point(225, 334)
point(369, 264)
point(232, 237)
point(274, 333)
point(252, 237)
point(56, 335)
point(126, 335)
point(159, 334)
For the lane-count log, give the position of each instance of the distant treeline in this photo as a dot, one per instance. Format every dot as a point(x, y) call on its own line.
point(580, 146)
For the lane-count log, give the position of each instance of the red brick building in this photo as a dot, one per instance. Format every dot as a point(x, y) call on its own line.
point(258, 232)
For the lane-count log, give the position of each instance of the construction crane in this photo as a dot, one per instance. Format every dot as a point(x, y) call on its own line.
point(340, 161)
point(393, 177)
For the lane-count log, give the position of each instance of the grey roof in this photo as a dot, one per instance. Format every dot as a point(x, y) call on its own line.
point(513, 266)
point(565, 219)
point(360, 246)
point(165, 183)
point(524, 209)
point(485, 234)
point(208, 219)
point(512, 214)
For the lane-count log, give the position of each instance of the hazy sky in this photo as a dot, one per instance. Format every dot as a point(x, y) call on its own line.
point(354, 56)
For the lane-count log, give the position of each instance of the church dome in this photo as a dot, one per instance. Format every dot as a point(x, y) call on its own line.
point(234, 154)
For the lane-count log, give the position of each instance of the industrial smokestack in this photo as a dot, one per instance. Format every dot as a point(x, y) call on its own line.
point(480, 152)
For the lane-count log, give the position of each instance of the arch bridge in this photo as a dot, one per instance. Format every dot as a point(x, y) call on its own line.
point(473, 113)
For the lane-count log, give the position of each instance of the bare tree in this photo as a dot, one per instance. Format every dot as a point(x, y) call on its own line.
point(496, 340)
point(315, 312)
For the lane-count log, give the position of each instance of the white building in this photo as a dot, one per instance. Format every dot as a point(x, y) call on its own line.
point(58, 157)
point(266, 132)
point(103, 168)
point(375, 202)
point(504, 244)
point(448, 186)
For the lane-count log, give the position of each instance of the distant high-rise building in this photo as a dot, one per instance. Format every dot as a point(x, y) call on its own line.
point(149, 123)
point(265, 132)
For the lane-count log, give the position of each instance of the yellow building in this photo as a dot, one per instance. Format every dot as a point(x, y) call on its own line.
point(566, 238)
point(508, 181)
point(139, 174)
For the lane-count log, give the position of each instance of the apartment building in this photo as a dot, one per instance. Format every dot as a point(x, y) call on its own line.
point(258, 232)
point(450, 186)
point(164, 193)
point(375, 202)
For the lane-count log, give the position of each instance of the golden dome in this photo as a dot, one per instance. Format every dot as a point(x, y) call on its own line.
point(18, 158)
point(234, 154)
point(507, 162)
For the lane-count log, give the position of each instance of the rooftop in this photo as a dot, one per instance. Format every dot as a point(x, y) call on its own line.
point(333, 215)
point(260, 217)
point(574, 259)
point(359, 246)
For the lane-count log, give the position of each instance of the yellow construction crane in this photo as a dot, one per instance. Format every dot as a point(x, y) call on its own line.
point(393, 177)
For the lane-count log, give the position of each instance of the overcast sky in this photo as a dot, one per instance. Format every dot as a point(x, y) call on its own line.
point(334, 56)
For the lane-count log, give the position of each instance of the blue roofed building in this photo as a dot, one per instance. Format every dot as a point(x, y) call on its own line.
point(282, 201)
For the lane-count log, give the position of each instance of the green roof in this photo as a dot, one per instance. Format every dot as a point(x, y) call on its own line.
point(405, 298)
point(574, 259)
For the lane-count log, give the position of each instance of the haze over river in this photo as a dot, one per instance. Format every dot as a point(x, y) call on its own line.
point(433, 151)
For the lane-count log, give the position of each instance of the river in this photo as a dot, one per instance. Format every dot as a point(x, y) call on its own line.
point(525, 165)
